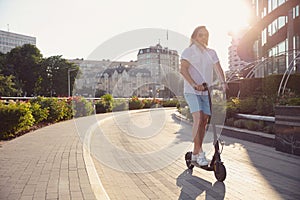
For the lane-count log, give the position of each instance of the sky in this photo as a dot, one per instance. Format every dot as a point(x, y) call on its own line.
point(75, 28)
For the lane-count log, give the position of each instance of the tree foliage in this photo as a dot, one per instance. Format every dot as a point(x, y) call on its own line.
point(54, 80)
point(7, 86)
point(24, 71)
point(24, 63)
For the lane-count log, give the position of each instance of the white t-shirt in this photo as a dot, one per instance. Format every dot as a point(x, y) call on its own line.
point(201, 69)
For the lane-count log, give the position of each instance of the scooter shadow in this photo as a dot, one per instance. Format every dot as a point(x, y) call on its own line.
point(193, 186)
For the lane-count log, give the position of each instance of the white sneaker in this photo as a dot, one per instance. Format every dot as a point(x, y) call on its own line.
point(202, 161)
point(195, 157)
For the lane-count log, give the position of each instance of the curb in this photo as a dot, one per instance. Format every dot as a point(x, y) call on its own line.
point(243, 134)
point(95, 181)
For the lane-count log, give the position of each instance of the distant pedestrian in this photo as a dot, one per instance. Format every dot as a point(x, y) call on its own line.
point(197, 65)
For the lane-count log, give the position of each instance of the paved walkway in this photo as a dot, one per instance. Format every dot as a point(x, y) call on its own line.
point(51, 163)
point(45, 164)
point(254, 171)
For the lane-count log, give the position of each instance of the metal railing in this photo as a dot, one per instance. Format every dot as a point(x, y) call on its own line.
point(262, 63)
point(287, 74)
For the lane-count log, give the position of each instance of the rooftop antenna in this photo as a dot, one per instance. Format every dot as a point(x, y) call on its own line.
point(167, 38)
point(7, 27)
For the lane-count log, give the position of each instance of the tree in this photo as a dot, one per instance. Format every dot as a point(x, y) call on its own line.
point(24, 64)
point(54, 80)
point(7, 86)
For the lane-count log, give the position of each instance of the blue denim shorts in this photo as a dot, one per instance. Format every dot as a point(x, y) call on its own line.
point(198, 103)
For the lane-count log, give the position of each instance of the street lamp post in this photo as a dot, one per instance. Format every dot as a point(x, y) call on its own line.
point(69, 81)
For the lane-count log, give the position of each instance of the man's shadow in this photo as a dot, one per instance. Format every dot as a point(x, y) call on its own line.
point(193, 186)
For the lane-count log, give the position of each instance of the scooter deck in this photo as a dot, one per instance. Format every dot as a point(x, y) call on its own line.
point(206, 167)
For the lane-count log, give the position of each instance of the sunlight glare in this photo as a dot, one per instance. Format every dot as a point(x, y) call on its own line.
point(237, 15)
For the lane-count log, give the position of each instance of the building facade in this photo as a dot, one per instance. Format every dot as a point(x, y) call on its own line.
point(273, 41)
point(90, 78)
point(125, 81)
point(150, 76)
point(163, 64)
point(236, 64)
point(9, 40)
point(159, 61)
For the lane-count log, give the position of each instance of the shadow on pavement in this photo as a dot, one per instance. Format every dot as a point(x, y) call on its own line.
point(184, 134)
point(193, 186)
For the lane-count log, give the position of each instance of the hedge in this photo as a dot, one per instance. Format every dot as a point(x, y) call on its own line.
point(15, 117)
point(21, 116)
point(57, 109)
point(262, 86)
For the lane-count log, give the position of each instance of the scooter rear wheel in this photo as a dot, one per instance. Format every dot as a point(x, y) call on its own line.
point(188, 158)
point(220, 171)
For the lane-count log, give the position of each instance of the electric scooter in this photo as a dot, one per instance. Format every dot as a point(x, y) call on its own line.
point(216, 164)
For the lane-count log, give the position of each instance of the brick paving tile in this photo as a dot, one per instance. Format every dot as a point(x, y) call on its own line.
point(51, 163)
point(42, 164)
point(254, 171)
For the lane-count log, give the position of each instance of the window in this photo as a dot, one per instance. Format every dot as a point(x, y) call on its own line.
point(296, 11)
point(281, 47)
point(264, 35)
point(274, 4)
point(281, 21)
point(280, 2)
point(269, 6)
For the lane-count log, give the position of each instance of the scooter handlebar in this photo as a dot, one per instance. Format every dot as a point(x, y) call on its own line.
point(205, 86)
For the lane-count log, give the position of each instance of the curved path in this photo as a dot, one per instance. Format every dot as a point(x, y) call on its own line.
point(137, 155)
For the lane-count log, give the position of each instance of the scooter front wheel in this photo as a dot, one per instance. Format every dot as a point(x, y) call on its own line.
point(220, 171)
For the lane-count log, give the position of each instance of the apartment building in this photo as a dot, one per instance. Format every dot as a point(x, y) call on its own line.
point(91, 74)
point(236, 64)
point(158, 60)
point(9, 40)
point(147, 77)
point(273, 41)
point(125, 81)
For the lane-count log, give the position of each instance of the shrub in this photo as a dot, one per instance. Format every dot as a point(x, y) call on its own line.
point(269, 129)
point(251, 125)
point(232, 107)
point(58, 109)
point(247, 105)
point(105, 104)
point(230, 122)
point(264, 106)
point(148, 103)
point(135, 103)
point(151, 103)
point(170, 103)
point(81, 107)
point(39, 114)
point(120, 105)
point(294, 102)
point(15, 117)
point(239, 123)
